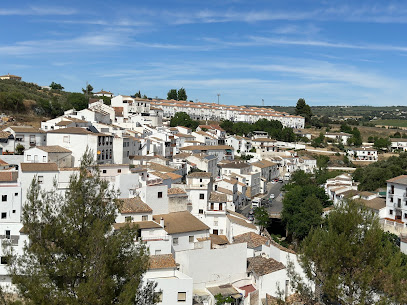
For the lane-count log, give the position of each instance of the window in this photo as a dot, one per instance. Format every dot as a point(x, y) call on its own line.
point(405, 215)
point(175, 241)
point(104, 171)
point(66, 139)
point(8, 234)
point(119, 170)
point(28, 157)
point(201, 196)
point(3, 197)
point(40, 179)
point(160, 194)
point(391, 199)
point(144, 218)
point(391, 212)
point(216, 187)
point(182, 296)
point(44, 159)
point(128, 218)
point(3, 215)
point(191, 239)
point(14, 211)
point(4, 260)
point(200, 180)
point(200, 211)
point(15, 194)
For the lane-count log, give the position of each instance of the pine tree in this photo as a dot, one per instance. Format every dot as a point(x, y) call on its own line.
point(172, 94)
point(74, 256)
point(182, 95)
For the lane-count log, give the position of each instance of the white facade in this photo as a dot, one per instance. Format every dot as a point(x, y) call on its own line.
point(363, 154)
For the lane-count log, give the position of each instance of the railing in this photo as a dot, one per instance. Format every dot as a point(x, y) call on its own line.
point(154, 238)
point(13, 239)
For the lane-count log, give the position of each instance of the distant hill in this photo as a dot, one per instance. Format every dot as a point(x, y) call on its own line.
point(18, 97)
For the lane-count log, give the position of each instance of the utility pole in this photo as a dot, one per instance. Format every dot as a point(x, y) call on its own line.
point(262, 102)
point(218, 97)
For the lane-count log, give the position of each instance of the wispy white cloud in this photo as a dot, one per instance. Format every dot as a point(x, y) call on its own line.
point(37, 11)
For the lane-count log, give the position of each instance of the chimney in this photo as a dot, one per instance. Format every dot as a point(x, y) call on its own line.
point(162, 222)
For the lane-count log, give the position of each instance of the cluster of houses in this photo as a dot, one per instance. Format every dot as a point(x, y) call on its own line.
point(389, 204)
point(182, 188)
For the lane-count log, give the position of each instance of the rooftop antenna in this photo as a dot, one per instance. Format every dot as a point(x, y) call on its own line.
point(262, 102)
point(218, 97)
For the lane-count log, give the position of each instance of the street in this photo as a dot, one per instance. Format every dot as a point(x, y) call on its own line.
point(277, 203)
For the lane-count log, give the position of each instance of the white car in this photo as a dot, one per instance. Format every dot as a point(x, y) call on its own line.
point(272, 196)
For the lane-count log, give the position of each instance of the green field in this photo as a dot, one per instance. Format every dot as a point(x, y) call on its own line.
point(395, 123)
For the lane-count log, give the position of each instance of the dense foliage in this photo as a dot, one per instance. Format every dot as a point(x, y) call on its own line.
point(180, 95)
point(303, 203)
point(303, 109)
point(374, 175)
point(183, 119)
point(274, 129)
point(74, 256)
point(352, 260)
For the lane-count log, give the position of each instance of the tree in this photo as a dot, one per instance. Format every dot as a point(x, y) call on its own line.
point(382, 143)
point(88, 90)
point(172, 94)
point(346, 128)
point(183, 119)
point(352, 261)
point(56, 86)
point(78, 101)
point(19, 150)
point(303, 109)
point(182, 95)
point(74, 256)
point(318, 141)
point(262, 217)
point(137, 94)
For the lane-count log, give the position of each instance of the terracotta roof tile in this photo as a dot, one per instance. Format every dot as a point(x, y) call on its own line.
point(54, 149)
point(133, 205)
point(261, 265)
point(164, 261)
point(181, 222)
point(252, 239)
point(39, 167)
point(175, 190)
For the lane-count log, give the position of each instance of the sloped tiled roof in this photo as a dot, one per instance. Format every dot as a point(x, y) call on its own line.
point(175, 190)
point(163, 261)
point(261, 265)
point(134, 205)
point(54, 149)
point(217, 197)
point(25, 129)
point(8, 176)
point(252, 239)
point(399, 179)
point(39, 167)
point(181, 222)
point(139, 224)
point(241, 222)
point(199, 175)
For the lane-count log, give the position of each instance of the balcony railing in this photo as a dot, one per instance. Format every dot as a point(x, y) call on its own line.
point(13, 239)
point(154, 238)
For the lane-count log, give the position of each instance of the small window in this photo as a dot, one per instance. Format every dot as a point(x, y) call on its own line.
point(200, 211)
point(3, 198)
point(144, 218)
point(15, 194)
point(4, 260)
point(391, 199)
point(128, 218)
point(8, 234)
point(66, 139)
point(119, 170)
point(14, 211)
point(191, 239)
point(160, 194)
point(28, 157)
point(182, 296)
point(200, 180)
point(44, 159)
point(201, 196)
point(3, 215)
point(40, 179)
point(104, 171)
point(391, 212)
point(175, 241)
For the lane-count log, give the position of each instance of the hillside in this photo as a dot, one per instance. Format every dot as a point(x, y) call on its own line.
point(18, 99)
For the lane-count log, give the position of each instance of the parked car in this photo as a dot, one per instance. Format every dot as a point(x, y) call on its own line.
point(272, 196)
point(251, 215)
point(280, 180)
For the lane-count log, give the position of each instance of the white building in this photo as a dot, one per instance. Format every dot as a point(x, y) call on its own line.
point(78, 140)
point(49, 154)
point(396, 202)
point(340, 137)
point(103, 93)
point(363, 154)
point(26, 136)
point(398, 144)
point(222, 152)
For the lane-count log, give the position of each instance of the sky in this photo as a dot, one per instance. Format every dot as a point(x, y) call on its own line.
point(330, 52)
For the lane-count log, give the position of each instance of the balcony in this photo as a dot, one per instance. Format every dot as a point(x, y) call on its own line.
point(13, 239)
point(154, 238)
point(33, 143)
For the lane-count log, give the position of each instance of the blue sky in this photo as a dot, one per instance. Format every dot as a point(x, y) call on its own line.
point(328, 52)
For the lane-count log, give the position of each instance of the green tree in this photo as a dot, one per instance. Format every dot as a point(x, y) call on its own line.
point(19, 150)
point(56, 86)
point(183, 119)
point(352, 260)
point(382, 143)
point(346, 128)
point(322, 162)
point(262, 217)
point(182, 95)
point(318, 141)
point(357, 137)
point(88, 90)
point(137, 94)
point(78, 101)
point(74, 256)
point(172, 94)
point(303, 109)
